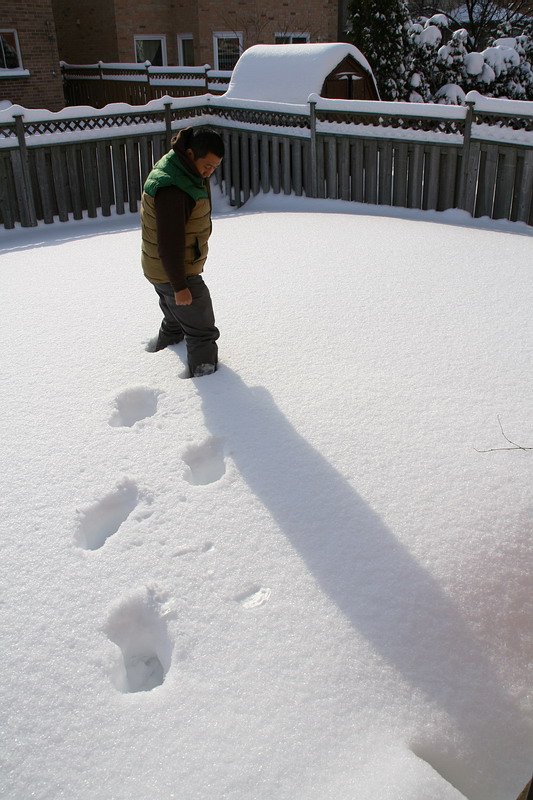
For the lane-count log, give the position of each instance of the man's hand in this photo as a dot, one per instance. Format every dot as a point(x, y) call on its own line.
point(183, 298)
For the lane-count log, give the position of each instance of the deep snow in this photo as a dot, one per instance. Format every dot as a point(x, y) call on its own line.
point(295, 579)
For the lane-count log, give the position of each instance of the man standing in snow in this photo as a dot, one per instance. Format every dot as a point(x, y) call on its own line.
point(176, 225)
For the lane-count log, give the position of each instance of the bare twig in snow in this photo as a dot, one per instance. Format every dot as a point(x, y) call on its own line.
point(514, 445)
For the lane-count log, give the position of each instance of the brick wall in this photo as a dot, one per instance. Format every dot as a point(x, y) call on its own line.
point(154, 17)
point(259, 23)
point(86, 31)
point(94, 30)
point(34, 23)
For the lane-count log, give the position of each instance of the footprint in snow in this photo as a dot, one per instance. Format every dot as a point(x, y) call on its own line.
point(255, 597)
point(132, 405)
point(99, 521)
point(205, 462)
point(138, 626)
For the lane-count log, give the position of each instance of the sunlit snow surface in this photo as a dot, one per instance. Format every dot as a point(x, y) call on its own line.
point(295, 579)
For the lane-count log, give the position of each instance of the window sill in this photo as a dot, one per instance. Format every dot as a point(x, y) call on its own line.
point(14, 73)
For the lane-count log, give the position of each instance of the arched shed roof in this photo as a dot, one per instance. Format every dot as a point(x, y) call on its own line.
point(289, 73)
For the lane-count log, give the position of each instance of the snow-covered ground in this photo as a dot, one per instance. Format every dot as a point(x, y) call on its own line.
point(295, 579)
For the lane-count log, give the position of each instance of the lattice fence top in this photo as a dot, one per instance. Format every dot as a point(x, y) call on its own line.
point(372, 115)
point(395, 121)
point(516, 123)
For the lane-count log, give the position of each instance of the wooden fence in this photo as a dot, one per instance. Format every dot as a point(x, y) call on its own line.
point(97, 85)
point(58, 166)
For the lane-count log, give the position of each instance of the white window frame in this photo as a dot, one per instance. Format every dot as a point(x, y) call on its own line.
point(291, 34)
point(13, 70)
point(226, 35)
point(152, 37)
point(181, 38)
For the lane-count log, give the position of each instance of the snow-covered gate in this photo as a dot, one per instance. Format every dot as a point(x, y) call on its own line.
point(83, 161)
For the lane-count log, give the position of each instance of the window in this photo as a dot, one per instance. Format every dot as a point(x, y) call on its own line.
point(185, 50)
point(292, 38)
point(9, 50)
point(152, 49)
point(227, 48)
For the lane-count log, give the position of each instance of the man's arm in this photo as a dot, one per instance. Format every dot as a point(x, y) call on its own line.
point(172, 210)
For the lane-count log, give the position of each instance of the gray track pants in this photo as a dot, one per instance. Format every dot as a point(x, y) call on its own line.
point(195, 323)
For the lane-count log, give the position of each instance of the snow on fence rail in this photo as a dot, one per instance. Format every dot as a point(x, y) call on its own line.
point(137, 84)
point(84, 160)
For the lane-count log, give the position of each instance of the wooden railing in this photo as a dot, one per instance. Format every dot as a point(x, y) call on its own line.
point(87, 161)
point(99, 84)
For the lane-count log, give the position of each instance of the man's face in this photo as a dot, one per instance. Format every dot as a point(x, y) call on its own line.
point(205, 165)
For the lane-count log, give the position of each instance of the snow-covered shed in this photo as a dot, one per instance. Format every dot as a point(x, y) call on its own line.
point(289, 73)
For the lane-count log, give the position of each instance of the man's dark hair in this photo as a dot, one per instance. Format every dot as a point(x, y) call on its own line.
point(202, 141)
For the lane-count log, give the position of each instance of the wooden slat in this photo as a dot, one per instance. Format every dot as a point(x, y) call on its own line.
point(488, 167)
point(134, 178)
point(60, 179)
point(45, 187)
point(385, 174)
point(119, 175)
point(275, 165)
point(357, 169)
point(331, 167)
point(245, 165)
point(286, 164)
point(7, 211)
point(226, 164)
point(145, 158)
point(75, 175)
point(235, 168)
point(265, 163)
point(371, 171)
point(343, 160)
point(296, 167)
point(90, 174)
point(524, 202)
point(431, 177)
point(254, 163)
point(320, 167)
point(503, 196)
point(307, 172)
point(399, 187)
point(447, 178)
point(472, 170)
point(22, 200)
point(105, 177)
point(158, 147)
point(414, 182)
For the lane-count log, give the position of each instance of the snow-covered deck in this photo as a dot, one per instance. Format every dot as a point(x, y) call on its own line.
point(295, 579)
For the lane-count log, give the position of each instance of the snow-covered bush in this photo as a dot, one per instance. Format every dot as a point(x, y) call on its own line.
point(450, 95)
point(424, 60)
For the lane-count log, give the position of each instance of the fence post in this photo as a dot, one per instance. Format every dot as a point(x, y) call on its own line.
point(28, 217)
point(168, 123)
point(314, 152)
point(465, 167)
point(206, 76)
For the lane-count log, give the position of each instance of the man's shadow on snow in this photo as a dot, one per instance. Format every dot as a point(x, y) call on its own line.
point(390, 598)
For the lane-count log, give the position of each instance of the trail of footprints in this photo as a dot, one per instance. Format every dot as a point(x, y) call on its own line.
point(138, 625)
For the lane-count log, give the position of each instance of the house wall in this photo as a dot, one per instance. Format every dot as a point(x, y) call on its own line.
point(104, 30)
point(34, 23)
point(86, 31)
point(154, 17)
point(259, 23)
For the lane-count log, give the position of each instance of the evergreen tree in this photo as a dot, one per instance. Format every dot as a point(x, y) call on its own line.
point(514, 79)
point(426, 38)
point(380, 29)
